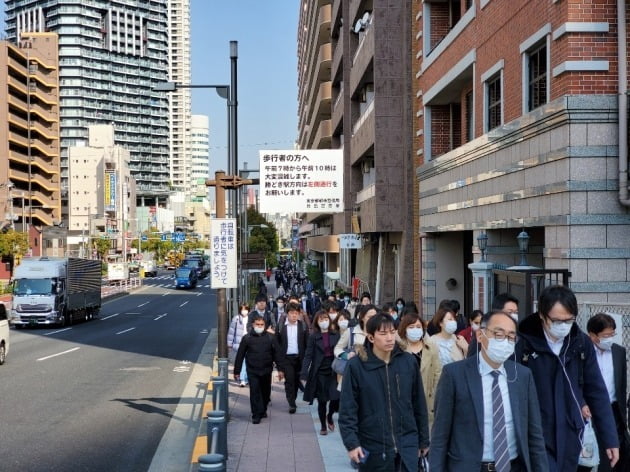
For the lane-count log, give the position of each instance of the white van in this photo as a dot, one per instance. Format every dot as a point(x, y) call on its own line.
point(4, 333)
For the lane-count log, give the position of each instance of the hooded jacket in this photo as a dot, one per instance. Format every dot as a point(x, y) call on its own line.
point(566, 383)
point(383, 408)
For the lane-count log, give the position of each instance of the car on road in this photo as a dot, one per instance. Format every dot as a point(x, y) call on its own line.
point(185, 277)
point(4, 333)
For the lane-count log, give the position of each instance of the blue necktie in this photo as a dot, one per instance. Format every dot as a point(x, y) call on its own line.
point(499, 435)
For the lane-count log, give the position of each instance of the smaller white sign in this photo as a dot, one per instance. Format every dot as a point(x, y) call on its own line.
point(224, 258)
point(350, 241)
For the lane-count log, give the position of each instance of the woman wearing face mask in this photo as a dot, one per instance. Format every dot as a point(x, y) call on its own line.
point(321, 380)
point(342, 321)
point(474, 322)
point(400, 305)
point(235, 333)
point(411, 334)
point(442, 349)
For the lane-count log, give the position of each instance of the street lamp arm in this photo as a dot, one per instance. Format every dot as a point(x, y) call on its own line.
point(222, 90)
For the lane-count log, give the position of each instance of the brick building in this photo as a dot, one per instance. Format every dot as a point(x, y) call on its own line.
point(517, 127)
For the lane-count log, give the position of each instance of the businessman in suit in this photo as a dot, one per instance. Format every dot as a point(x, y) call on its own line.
point(292, 337)
point(487, 416)
point(611, 359)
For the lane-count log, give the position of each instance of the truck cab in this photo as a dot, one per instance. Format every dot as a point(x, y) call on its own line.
point(185, 277)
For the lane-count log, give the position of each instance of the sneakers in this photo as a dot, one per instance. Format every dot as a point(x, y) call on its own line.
point(243, 384)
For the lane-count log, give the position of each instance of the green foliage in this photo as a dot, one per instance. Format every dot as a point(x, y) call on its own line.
point(263, 240)
point(315, 275)
point(102, 246)
point(13, 242)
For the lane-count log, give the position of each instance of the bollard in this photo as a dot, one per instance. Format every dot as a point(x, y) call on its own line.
point(211, 462)
point(218, 385)
point(223, 368)
point(217, 419)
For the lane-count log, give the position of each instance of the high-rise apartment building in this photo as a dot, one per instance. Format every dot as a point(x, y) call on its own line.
point(29, 132)
point(200, 153)
point(180, 99)
point(354, 86)
point(521, 125)
point(111, 55)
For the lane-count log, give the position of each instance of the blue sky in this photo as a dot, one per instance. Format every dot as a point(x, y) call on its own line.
point(266, 32)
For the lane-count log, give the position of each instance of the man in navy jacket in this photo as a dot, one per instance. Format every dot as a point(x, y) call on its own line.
point(568, 380)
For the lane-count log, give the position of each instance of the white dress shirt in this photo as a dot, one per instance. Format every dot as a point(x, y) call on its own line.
point(605, 362)
point(292, 342)
point(488, 437)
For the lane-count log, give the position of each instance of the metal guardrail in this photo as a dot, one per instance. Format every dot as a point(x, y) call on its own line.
point(217, 419)
point(121, 286)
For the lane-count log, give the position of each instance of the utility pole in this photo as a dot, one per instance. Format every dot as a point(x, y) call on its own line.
point(222, 182)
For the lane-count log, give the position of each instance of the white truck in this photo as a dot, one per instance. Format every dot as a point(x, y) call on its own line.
point(149, 266)
point(117, 271)
point(56, 291)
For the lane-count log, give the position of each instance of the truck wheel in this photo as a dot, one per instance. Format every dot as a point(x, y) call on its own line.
point(69, 318)
point(3, 354)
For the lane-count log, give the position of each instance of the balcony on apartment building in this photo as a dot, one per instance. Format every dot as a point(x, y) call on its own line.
point(315, 92)
point(364, 127)
point(337, 110)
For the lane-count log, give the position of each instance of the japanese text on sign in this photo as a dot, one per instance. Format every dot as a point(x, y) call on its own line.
point(224, 257)
point(301, 181)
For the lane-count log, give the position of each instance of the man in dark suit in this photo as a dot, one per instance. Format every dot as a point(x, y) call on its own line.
point(292, 336)
point(487, 415)
point(611, 359)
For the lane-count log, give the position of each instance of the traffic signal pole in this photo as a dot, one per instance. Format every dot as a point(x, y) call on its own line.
point(222, 182)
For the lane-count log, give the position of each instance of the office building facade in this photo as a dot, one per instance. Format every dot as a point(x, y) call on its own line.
point(520, 120)
point(111, 55)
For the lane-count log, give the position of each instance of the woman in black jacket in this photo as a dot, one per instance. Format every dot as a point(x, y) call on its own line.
point(321, 380)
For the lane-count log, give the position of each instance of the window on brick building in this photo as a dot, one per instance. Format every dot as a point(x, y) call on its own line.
point(537, 77)
point(493, 101)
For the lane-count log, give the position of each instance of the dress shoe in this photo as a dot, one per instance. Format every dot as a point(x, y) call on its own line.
point(256, 420)
point(292, 409)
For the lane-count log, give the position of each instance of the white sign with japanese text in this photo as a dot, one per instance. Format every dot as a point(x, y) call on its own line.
point(224, 259)
point(350, 241)
point(301, 181)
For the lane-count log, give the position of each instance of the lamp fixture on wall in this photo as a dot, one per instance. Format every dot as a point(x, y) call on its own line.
point(482, 243)
point(523, 245)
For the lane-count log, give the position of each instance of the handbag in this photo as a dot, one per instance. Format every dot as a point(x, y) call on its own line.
point(339, 364)
point(589, 455)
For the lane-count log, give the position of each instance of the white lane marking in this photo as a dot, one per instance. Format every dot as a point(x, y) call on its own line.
point(184, 366)
point(132, 313)
point(110, 316)
point(142, 304)
point(58, 331)
point(165, 294)
point(59, 354)
point(161, 316)
point(183, 304)
point(198, 293)
point(125, 331)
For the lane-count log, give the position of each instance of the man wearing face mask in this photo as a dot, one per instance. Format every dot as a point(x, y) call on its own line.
point(487, 415)
point(568, 380)
point(611, 359)
point(504, 302)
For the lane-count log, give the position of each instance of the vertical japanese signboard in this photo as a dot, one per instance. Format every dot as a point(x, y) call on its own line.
point(223, 268)
point(298, 181)
point(110, 191)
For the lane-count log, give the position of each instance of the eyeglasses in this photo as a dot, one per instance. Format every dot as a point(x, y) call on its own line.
point(500, 335)
point(569, 321)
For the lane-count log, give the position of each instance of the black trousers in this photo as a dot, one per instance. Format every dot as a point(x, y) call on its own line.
point(293, 365)
point(259, 393)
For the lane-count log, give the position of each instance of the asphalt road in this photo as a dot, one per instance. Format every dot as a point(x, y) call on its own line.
point(98, 396)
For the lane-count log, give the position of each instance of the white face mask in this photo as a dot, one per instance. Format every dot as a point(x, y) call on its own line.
point(450, 326)
point(474, 326)
point(560, 330)
point(343, 324)
point(332, 316)
point(258, 329)
point(499, 351)
point(414, 334)
point(514, 316)
point(605, 344)
point(323, 325)
point(244, 312)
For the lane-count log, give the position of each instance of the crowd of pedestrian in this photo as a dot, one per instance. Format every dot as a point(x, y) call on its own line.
point(484, 392)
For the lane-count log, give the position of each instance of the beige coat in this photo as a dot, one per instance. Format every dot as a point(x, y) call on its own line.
point(431, 370)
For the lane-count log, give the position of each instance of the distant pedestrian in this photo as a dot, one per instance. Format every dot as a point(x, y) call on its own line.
point(321, 380)
point(474, 322)
point(238, 329)
point(260, 349)
point(260, 309)
point(383, 414)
